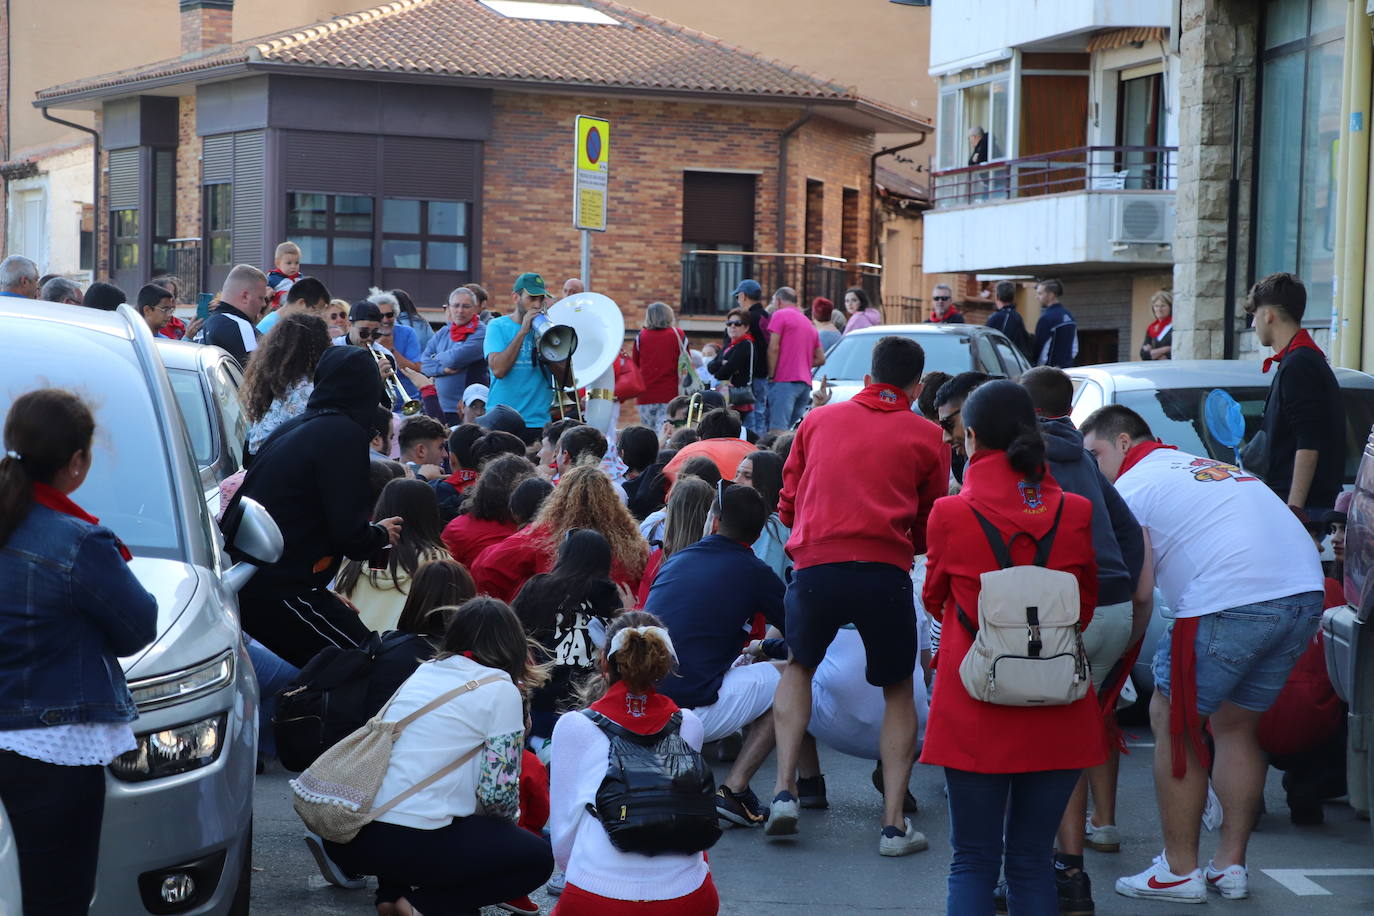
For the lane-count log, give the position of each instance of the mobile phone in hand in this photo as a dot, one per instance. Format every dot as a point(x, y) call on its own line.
point(380, 558)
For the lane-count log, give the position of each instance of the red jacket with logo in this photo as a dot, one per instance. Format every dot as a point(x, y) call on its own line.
point(860, 481)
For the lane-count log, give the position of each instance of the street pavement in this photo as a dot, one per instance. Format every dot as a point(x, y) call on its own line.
point(833, 867)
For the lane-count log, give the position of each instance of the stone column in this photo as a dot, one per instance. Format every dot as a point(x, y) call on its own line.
point(1217, 44)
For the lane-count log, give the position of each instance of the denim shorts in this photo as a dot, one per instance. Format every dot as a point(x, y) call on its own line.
point(1245, 653)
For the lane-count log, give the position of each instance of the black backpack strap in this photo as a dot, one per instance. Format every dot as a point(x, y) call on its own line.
point(1042, 546)
point(616, 730)
point(994, 538)
point(1000, 550)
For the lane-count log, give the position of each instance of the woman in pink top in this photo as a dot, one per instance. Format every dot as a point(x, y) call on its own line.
point(862, 313)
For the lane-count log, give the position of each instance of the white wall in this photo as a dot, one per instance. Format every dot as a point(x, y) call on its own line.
point(1061, 230)
point(64, 184)
point(1106, 69)
point(964, 29)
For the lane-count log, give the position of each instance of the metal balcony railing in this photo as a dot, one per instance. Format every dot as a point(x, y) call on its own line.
point(710, 276)
point(181, 259)
point(1085, 168)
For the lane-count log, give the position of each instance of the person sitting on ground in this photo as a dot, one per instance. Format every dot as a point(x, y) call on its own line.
point(707, 595)
point(1006, 793)
point(488, 518)
point(383, 435)
point(654, 523)
point(546, 459)
point(638, 448)
point(684, 524)
point(278, 386)
point(1189, 507)
point(1119, 620)
point(474, 403)
point(381, 472)
point(782, 445)
point(762, 470)
point(380, 594)
point(495, 444)
point(566, 611)
point(452, 491)
point(602, 880)
point(423, 442)
point(527, 499)
point(720, 441)
point(454, 845)
point(584, 498)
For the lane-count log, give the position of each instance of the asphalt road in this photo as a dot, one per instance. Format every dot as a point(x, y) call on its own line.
point(834, 867)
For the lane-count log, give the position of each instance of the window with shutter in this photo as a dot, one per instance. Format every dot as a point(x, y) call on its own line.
point(718, 209)
point(124, 194)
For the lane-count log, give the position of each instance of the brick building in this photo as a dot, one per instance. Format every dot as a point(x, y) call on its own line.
point(425, 143)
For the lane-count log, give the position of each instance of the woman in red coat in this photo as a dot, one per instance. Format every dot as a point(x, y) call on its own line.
point(657, 349)
point(1009, 769)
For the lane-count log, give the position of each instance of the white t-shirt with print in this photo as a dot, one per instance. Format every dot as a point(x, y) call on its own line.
point(1220, 537)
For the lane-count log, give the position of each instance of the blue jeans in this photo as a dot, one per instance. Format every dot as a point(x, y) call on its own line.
point(787, 403)
point(1005, 815)
point(273, 676)
point(756, 420)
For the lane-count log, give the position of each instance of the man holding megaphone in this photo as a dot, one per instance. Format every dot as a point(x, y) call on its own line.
point(519, 378)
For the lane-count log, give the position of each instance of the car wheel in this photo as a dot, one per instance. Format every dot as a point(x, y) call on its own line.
point(244, 891)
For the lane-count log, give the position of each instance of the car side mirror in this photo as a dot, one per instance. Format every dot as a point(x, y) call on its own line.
point(250, 531)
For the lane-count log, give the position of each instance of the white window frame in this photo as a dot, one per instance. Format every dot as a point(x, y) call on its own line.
point(1011, 130)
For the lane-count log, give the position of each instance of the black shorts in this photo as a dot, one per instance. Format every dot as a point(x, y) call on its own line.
point(875, 597)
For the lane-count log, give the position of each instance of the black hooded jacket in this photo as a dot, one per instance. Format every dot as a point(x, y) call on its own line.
point(312, 477)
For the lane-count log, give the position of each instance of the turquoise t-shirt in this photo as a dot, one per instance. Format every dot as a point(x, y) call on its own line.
point(525, 388)
point(269, 322)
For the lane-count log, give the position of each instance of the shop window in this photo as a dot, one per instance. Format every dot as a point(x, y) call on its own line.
point(424, 234)
point(331, 229)
point(1300, 118)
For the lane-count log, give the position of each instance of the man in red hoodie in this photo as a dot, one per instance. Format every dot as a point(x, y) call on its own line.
point(853, 547)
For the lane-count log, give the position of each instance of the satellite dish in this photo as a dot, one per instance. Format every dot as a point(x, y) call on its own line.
point(600, 330)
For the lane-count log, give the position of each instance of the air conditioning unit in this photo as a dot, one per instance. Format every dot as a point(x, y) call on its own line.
point(1142, 220)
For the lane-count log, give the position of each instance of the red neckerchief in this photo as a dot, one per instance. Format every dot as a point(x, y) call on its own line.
point(1301, 340)
point(58, 501)
point(741, 339)
point(642, 714)
point(936, 318)
point(174, 329)
point(461, 479)
point(459, 332)
point(1159, 327)
point(880, 396)
point(1138, 452)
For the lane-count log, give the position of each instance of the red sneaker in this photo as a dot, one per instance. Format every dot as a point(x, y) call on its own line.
point(520, 905)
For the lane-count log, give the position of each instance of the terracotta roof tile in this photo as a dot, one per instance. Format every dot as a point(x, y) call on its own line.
point(465, 39)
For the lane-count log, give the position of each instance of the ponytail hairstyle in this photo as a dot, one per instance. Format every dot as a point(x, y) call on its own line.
point(487, 631)
point(1002, 416)
point(641, 662)
point(43, 430)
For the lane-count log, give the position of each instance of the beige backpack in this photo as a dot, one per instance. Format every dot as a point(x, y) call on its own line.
point(1028, 647)
point(335, 796)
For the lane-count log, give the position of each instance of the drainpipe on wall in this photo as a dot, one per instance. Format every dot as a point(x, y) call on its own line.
point(873, 193)
point(1353, 297)
point(95, 185)
point(782, 177)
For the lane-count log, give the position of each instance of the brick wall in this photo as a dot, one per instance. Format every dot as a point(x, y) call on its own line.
point(188, 170)
point(527, 187)
point(205, 24)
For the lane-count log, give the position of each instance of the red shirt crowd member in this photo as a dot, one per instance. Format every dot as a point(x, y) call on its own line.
point(1011, 767)
point(656, 352)
point(853, 548)
point(488, 520)
point(584, 498)
point(602, 880)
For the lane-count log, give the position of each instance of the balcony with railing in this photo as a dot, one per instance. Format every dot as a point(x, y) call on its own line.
point(709, 277)
point(1092, 206)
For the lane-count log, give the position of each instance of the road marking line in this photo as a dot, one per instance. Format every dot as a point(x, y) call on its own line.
point(1297, 880)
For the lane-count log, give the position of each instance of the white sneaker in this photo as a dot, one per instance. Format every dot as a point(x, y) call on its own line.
point(911, 841)
point(783, 815)
point(1232, 882)
point(557, 881)
point(1103, 839)
point(1158, 883)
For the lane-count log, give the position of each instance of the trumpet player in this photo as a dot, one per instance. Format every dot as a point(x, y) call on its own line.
point(365, 327)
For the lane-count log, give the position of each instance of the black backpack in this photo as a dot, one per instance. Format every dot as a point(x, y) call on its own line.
point(333, 696)
point(659, 795)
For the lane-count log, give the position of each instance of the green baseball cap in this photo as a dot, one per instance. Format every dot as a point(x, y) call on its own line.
point(530, 283)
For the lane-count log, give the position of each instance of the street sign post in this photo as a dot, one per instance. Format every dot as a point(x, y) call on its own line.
point(591, 177)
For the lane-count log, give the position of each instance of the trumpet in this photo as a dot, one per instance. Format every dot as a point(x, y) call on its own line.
point(409, 406)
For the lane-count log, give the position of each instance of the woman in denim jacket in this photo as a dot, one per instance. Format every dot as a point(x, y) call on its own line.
point(69, 608)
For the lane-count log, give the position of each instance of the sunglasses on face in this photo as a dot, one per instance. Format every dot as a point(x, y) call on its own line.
point(365, 333)
point(734, 324)
point(388, 316)
point(947, 423)
point(940, 298)
point(678, 423)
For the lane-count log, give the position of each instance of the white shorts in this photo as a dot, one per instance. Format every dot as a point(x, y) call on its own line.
point(745, 694)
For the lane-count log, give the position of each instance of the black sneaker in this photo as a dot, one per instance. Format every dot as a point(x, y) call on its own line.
point(1075, 893)
point(811, 792)
point(742, 809)
point(909, 805)
point(999, 899)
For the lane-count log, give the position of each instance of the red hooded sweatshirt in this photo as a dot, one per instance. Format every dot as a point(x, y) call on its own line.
point(860, 481)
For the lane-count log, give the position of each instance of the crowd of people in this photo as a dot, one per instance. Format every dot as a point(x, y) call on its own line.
point(560, 617)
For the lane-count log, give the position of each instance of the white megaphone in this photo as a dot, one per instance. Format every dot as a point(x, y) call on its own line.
point(597, 329)
point(553, 342)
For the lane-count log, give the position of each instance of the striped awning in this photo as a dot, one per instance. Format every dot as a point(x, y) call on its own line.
point(1116, 38)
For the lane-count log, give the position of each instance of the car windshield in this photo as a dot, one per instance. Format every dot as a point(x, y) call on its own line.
point(852, 357)
point(191, 400)
point(1176, 416)
point(129, 487)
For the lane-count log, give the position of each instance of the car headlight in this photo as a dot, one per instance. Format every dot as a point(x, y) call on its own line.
point(187, 684)
point(172, 750)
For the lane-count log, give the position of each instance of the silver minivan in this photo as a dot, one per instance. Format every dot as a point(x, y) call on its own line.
point(177, 835)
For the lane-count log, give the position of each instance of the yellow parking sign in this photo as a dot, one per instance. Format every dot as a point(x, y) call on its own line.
point(591, 172)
